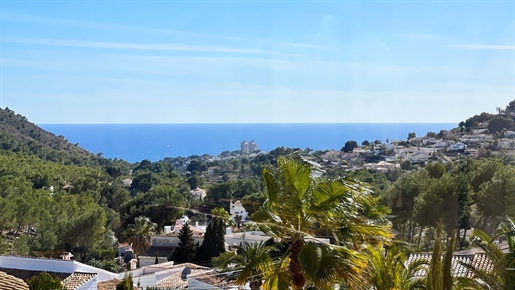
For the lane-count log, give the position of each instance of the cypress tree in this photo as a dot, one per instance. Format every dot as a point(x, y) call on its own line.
point(187, 248)
point(214, 240)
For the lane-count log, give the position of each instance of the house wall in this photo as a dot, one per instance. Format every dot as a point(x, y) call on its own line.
point(147, 261)
point(170, 241)
point(62, 266)
point(196, 284)
point(90, 285)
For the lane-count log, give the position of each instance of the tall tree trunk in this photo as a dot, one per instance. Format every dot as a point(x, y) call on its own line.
point(409, 231)
point(463, 239)
point(295, 268)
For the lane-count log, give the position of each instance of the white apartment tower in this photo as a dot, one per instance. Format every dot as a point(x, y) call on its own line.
point(244, 146)
point(253, 147)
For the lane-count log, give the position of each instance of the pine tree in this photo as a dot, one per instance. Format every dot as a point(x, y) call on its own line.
point(187, 248)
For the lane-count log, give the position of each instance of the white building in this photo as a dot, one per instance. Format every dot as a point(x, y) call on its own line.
point(244, 146)
point(476, 138)
point(78, 276)
point(248, 147)
point(509, 134)
point(253, 147)
point(457, 146)
point(506, 144)
point(198, 193)
point(238, 209)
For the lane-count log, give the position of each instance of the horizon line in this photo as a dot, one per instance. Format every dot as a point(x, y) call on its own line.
point(256, 123)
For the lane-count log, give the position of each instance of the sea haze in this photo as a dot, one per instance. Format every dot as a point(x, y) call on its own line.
point(135, 142)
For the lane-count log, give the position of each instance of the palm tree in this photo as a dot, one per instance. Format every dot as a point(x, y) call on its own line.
point(299, 204)
point(501, 274)
point(139, 234)
point(237, 220)
point(387, 269)
point(250, 263)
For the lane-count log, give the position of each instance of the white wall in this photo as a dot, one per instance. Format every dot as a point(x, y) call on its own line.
point(170, 241)
point(147, 261)
point(90, 285)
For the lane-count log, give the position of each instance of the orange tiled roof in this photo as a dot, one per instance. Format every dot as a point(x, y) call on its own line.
point(108, 284)
point(175, 280)
point(77, 279)
point(8, 282)
point(70, 281)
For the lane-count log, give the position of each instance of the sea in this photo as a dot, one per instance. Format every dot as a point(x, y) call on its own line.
point(135, 142)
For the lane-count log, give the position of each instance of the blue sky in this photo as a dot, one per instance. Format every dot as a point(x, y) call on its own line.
point(256, 62)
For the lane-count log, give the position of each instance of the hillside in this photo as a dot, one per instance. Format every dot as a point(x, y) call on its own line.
point(17, 134)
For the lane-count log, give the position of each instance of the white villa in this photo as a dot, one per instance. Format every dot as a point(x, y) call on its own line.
point(238, 209)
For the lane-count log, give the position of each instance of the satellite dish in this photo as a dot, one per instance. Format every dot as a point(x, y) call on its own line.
point(185, 273)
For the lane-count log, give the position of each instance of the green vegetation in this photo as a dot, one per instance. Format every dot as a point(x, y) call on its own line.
point(44, 281)
point(187, 248)
point(298, 206)
point(56, 196)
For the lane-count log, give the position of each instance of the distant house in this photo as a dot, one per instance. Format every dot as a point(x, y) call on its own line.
point(428, 141)
point(479, 131)
point(457, 147)
point(441, 143)
point(475, 138)
point(506, 144)
point(419, 156)
point(381, 166)
point(127, 182)
point(237, 209)
point(198, 193)
point(509, 134)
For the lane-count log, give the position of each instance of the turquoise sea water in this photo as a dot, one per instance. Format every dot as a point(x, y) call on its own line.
point(135, 142)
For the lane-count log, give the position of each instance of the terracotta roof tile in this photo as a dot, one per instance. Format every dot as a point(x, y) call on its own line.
point(9, 282)
point(77, 279)
point(70, 281)
point(176, 281)
point(457, 268)
point(108, 284)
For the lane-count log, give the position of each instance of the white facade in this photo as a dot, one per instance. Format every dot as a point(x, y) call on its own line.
point(457, 146)
point(506, 144)
point(61, 266)
point(509, 134)
point(253, 147)
point(238, 209)
point(244, 146)
point(476, 138)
